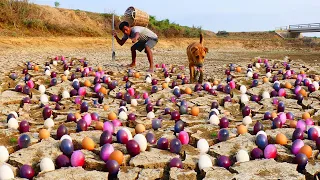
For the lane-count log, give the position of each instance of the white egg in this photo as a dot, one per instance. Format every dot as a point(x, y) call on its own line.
point(124, 108)
point(142, 141)
point(75, 80)
point(44, 99)
point(66, 72)
point(250, 70)
point(4, 154)
point(6, 172)
point(216, 111)
point(42, 89)
point(167, 80)
point(55, 63)
point(316, 85)
point(243, 89)
point(214, 119)
point(66, 136)
point(214, 87)
point(258, 65)
point(65, 94)
point(268, 74)
point(46, 165)
point(203, 146)
point(14, 113)
point(247, 120)
point(128, 132)
point(47, 73)
point(249, 74)
point(48, 123)
point(261, 132)
point(134, 102)
point(242, 156)
point(276, 82)
point(150, 115)
point(123, 115)
point(265, 95)
point(204, 162)
point(148, 80)
point(176, 87)
point(244, 98)
point(13, 123)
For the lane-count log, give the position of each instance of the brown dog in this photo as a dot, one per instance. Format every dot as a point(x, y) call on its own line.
point(196, 53)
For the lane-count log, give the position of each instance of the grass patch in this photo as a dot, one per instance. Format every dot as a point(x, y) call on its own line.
point(13, 140)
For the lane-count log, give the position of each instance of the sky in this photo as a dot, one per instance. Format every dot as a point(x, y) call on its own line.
point(214, 15)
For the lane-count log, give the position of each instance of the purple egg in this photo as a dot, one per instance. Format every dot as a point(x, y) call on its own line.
point(163, 143)
point(214, 105)
point(24, 141)
point(175, 146)
point(223, 135)
point(105, 138)
point(257, 127)
point(255, 98)
point(81, 125)
point(296, 146)
point(94, 116)
point(256, 153)
point(297, 134)
point(227, 99)
point(18, 88)
point(176, 162)
point(54, 98)
point(224, 122)
point(156, 124)
point(289, 115)
point(46, 113)
point(313, 134)
point(122, 136)
point(71, 118)
point(302, 160)
point(302, 125)
point(26, 171)
point(133, 148)
point(63, 161)
point(274, 93)
point(309, 122)
point(105, 152)
point(175, 115)
point(267, 116)
point(62, 130)
point(108, 126)
point(224, 161)
point(73, 92)
point(270, 151)
point(179, 126)
point(84, 107)
point(276, 123)
point(151, 138)
point(281, 107)
point(112, 168)
point(66, 147)
point(77, 159)
point(24, 126)
point(132, 117)
point(246, 111)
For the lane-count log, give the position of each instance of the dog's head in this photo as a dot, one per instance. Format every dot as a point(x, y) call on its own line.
point(199, 53)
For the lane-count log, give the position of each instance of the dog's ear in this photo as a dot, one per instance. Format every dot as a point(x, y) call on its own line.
point(206, 49)
point(194, 49)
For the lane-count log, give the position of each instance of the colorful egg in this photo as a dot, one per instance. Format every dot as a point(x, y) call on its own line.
point(175, 146)
point(133, 148)
point(307, 150)
point(223, 135)
point(156, 124)
point(241, 129)
point(81, 125)
point(117, 156)
point(302, 160)
point(108, 126)
point(301, 124)
point(77, 159)
point(66, 147)
point(176, 162)
point(142, 141)
point(46, 165)
point(183, 137)
point(151, 138)
point(44, 134)
point(281, 139)
point(163, 143)
point(313, 134)
point(140, 128)
point(261, 141)
point(296, 146)
point(24, 141)
point(256, 153)
point(63, 161)
point(26, 171)
point(105, 152)
point(224, 161)
point(270, 151)
point(88, 144)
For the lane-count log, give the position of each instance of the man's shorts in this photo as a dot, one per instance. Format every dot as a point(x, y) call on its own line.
point(140, 45)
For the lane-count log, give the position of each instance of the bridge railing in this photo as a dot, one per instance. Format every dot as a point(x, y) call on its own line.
point(282, 28)
point(304, 26)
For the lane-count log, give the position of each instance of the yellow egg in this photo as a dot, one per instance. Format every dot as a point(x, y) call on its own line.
point(88, 144)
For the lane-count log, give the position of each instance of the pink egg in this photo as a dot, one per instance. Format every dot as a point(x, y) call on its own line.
point(297, 89)
point(232, 84)
point(77, 159)
point(302, 125)
point(108, 126)
point(282, 116)
point(97, 87)
point(296, 146)
point(275, 101)
point(117, 123)
point(145, 95)
point(270, 151)
point(82, 91)
point(131, 91)
point(304, 76)
point(163, 65)
point(63, 58)
point(259, 60)
point(77, 100)
point(102, 73)
point(265, 61)
point(87, 118)
point(299, 77)
point(184, 137)
point(86, 70)
point(105, 152)
point(98, 75)
point(282, 92)
point(30, 84)
point(288, 73)
point(309, 122)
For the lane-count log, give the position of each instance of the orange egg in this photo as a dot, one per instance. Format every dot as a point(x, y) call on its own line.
point(242, 129)
point(307, 150)
point(87, 83)
point(265, 79)
point(316, 78)
point(88, 144)
point(302, 72)
point(78, 115)
point(99, 125)
point(294, 76)
point(293, 124)
point(195, 111)
point(103, 90)
point(238, 69)
point(117, 156)
point(99, 68)
point(137, 75)
point(281, 139)
point(165, 85)
point(288, 85)
point(36, 68)
point(44, 134)
point(105, 107)
point(303, 92)
point(188, 90)
point(215, 82)
point(81, 69)
point(274, 115)
point(305, 115)
point(140, 128)
point(112, 116)
point(64, 78)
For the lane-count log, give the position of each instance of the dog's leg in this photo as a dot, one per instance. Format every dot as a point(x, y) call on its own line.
point(201, 75)
point(191, 69)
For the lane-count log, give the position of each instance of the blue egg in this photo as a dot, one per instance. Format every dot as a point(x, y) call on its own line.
point(156, 124)
point(255, 83)
point(227, 89)
point(223, 135)
point(176, 92)
point(261, 141)
point(66, 147)
point(76, 85)
point(276, 86)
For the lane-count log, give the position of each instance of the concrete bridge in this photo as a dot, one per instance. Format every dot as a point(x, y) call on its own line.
point(294, 31)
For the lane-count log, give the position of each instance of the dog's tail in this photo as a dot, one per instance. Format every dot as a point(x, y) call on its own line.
point(201, 38)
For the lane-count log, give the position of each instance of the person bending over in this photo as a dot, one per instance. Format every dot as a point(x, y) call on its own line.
point(143, 38)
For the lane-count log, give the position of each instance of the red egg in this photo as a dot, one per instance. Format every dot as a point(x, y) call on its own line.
point(133, 148)
point(77, 159)
point(46, 113)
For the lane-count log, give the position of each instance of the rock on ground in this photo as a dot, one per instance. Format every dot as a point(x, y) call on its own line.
point(217, 173)
point(147, 174)
point(182, 174)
